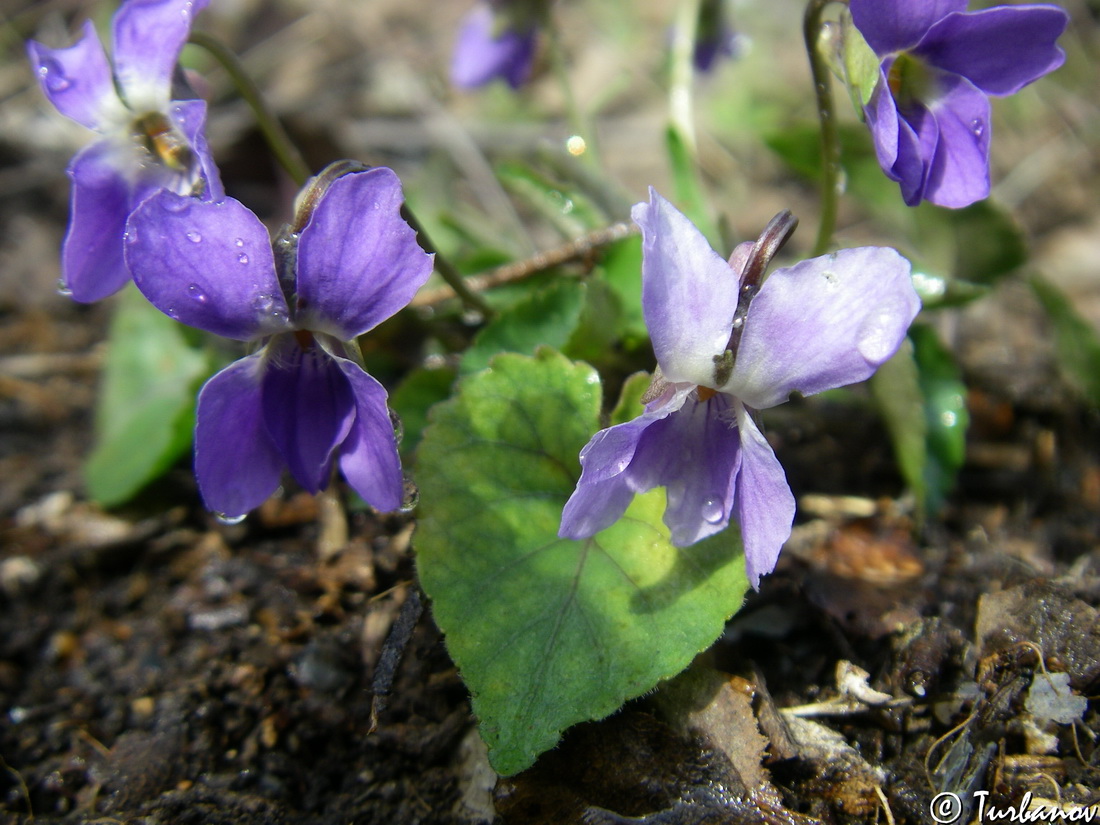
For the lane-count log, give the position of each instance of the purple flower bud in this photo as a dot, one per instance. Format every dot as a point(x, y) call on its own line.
point(302, 401)
point(817, 325)
point(498, 38)
point(149, 141)
point(929, 113)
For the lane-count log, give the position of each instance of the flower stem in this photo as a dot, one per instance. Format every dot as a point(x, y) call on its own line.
point(683, 71)
point(830, 141)
point(281, 145)
point(578, 123)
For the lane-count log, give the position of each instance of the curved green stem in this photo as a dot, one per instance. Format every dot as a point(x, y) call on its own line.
point(830, 141)
point(448, 271)
point(281, 145)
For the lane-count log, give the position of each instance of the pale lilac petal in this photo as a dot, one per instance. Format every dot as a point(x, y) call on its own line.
point(92, 265)
point(358, 261)
point(823, 323)
point(78, 80)
point(368, 456)
point(958, 174)
point(896, 25)
point(881, 115)
point(308, 408)
point(689, 293)
point(605, 488)
point(479, 57)
point(236, 463)
point(148, 37)
point(695, 455)
point(999, 50)
point(189, 117)
point(765, 504)
point(208, 265)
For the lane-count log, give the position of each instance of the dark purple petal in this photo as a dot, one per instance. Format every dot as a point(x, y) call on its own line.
point(308, 408)
point(148, 37)
point(823, 323)
point(78, 80)
point(208, 265)
point(765, 504)
point(689, 293)
point(958, 174)
point(999, 50)
point(368, 456)
point(896, 25)
point(479, 57)
point(92, 265)
point(189, 117)
point(695, 455)
point(881, 115)
point(236, 463)
point(358, 261)
point(918, 137)
point(605, 488)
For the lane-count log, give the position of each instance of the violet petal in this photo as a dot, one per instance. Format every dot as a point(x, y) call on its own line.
point(479, 57)
point(78, 80)
point(999, 50)
point(208, 265)
point(823, 323)
point(358, 261)
point(368, 456)
point(896, 25)
point(765, 504)
point(236, 463)
point(958, 174)
point(308, 408)
point(689, 293)
point(148, 38)
point(694, 454)
point(189, 116)
point(92, 265)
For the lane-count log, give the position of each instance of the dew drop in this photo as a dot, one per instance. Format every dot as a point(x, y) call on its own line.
point(712, 511)
point(54, 76)
point(242, 258)
point(977, 127)
point(196, 293)
point(738, 322)
point(130, 236)
point(239, 242)
point(176, 204)
point(194, 237)
point(230, 520)
point(63, 288)
point(877, 339)
point(172, 312)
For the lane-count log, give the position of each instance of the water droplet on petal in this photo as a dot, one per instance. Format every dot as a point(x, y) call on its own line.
point(712, 511)
point(194, 237)
point(63, 288)
point(54, 76)
point(977, 127)
point(238, 242)
point(224, 519)
point(130, 236)
point(172, 312)
point(176, 204)
point(242, 258)
point(195, 291)
point(878, 337)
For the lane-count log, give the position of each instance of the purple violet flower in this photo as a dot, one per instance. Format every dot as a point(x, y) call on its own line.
point(715, 36)
point(929, 113)
point(149, 141)
point(498, 38)
point(302, 401)
point(725, 350)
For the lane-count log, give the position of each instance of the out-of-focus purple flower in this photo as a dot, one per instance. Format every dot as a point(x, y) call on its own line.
point(498, 38)
point(929, 113)
point(715, 37)
point(302, 401)
point(725, 350)
point(149, 141)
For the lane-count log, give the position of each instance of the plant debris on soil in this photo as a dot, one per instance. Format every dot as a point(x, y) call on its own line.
point(157, 666)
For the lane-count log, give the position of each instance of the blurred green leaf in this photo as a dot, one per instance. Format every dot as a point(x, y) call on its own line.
point(548, 632)
point(548, 317)
point(414, 396)
point(897, 392)
point(945, 412)
point(597, 328)
point(1075, 339)
point(630, 398)
point(984, 240)
point(861, 64)
point(146, 411)
point(571, 211)
point(622, 270)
